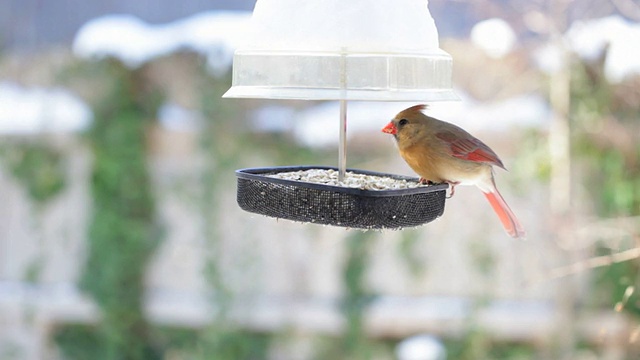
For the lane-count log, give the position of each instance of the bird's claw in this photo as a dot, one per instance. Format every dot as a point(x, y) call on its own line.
point(424, 181)
point(453, 189)
point(452, 184)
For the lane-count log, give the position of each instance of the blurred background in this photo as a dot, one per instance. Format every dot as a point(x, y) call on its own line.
point(120, 237)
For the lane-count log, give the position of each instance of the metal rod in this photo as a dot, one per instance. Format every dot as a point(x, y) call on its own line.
point(342, 150)
point(342, 147)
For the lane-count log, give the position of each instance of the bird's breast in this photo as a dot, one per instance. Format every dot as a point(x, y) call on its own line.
point(423, 162)
point(442, 167)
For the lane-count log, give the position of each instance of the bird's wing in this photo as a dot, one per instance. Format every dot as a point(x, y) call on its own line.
point(469, 148)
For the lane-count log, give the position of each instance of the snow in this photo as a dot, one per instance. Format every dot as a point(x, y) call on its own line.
point(318, 126)
point(174, 117)
point(421, 347)
point(273, 119)
point(337, 25)
point(35, 110)
point(588, 39)
point(527, 110)
point(548, 58)
point(494, 36)
point(404, 25)
point(214, 34)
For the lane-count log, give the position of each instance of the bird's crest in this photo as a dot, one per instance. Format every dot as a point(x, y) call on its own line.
point(417, 108)
point(414, 110)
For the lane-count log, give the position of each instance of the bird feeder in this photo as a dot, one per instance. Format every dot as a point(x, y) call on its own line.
point(367, 50)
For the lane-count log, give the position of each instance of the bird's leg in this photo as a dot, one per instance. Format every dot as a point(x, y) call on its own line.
point(453, 188)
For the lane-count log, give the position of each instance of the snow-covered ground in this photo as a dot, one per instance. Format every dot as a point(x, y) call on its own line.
point(589, 38)
point(214, 34)
point(33, 110)
point(494, 36)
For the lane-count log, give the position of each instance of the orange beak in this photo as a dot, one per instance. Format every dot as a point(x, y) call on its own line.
point(390, 128)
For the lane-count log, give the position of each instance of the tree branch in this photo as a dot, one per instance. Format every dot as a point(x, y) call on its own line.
point(595, 262)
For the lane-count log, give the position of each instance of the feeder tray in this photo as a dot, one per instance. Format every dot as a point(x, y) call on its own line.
point(336, 205)
point(341, 50)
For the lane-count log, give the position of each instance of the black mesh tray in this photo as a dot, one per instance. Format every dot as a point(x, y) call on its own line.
point(338, 206)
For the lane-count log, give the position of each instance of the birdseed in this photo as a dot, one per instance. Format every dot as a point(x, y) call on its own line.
point(351, 179)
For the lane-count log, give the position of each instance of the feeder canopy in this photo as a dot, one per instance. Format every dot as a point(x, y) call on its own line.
point(342, 50)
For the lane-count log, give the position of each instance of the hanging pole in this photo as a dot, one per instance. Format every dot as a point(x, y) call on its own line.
point(342, 151)
point(342, 146)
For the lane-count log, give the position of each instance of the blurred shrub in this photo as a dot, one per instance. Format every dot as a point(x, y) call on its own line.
point(606, 128)
point(37, 166)
point(123, 231)
point(357, 296)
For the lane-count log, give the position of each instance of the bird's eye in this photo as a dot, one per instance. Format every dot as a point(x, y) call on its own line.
point(403, 122)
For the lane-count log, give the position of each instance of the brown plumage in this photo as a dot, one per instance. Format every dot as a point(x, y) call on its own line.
point(442, 152)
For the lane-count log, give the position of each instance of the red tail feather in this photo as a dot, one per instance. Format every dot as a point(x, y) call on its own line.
point(509, 220)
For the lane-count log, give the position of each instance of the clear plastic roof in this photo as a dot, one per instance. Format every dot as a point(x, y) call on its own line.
point(337, 25)
point(342, 50)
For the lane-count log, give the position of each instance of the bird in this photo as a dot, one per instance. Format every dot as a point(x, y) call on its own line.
point(441, 152)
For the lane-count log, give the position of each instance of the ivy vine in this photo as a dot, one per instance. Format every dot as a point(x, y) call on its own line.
point(123, 232)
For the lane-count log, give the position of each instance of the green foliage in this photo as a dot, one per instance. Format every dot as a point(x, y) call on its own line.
point(37, 166)
point(77, 342)
point(607, 140)
point(34, 270)
point(474, 344)
point(410, 238)
point(232, 344)
point(607, 144)
point(483, 257)
point(123, 232)
point(355, 345)
point(618, 286)
point(80, 342)
point(614, 182)
point(477, 344)
point(10, 350)
point(514, 351)
point(333, 348)
point(533, 158)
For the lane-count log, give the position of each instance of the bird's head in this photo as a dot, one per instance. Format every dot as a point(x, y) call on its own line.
point(407, 124)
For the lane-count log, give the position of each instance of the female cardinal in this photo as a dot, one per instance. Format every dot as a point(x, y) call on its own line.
point(442, 152)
